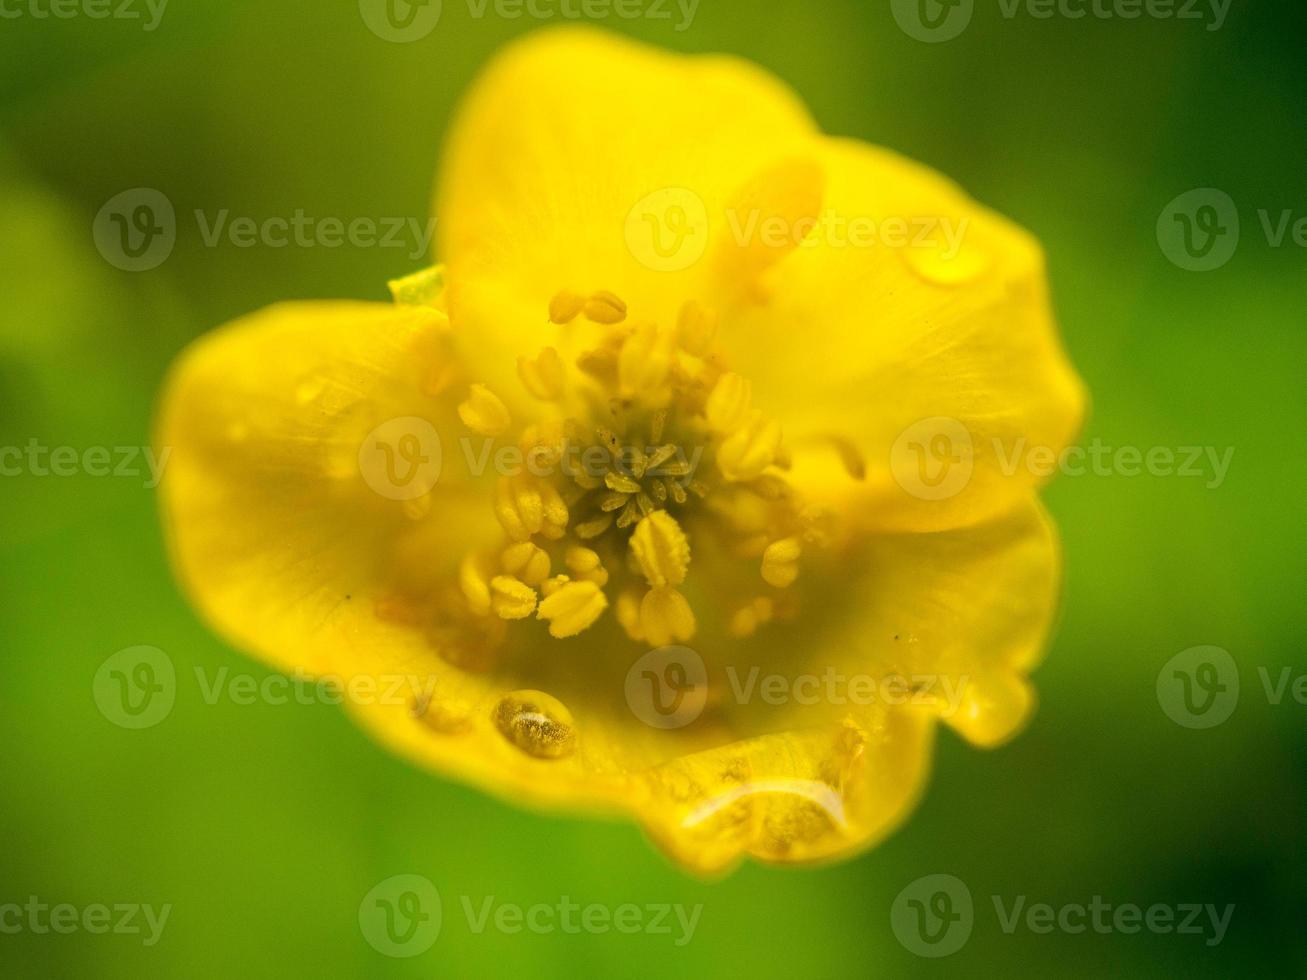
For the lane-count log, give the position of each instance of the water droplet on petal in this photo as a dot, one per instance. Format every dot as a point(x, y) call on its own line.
point(446, 718)
point(536, 723)
point(310, 388)
point(947, 263)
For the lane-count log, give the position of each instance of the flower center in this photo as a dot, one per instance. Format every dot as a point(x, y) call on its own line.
point(643, 445)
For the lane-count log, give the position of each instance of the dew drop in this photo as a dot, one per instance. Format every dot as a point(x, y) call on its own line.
point(442, 717)
point(536, 723)
point(310, 388)
point(946, 265)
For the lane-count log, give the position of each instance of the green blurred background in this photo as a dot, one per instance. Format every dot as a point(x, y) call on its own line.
point(264, 825)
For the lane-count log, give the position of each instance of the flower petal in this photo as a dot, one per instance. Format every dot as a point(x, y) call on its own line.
point(303, 483)
point(909, 350)
point(587, 162)
point(963, 615)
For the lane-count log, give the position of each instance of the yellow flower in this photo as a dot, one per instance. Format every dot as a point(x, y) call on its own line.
point(691, 480)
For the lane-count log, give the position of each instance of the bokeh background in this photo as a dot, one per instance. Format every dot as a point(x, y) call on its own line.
point(264, 825)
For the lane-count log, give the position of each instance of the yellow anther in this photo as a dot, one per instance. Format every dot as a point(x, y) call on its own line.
point(564, 307)
point(543, 376)
point(526, 561)
point(511, 599)
point(526, 506)
point(604, 307)
point(729, 404)
point(600, 364)
point(696, 328)
point(661, 549)
point(442, 376)
point(585, 566)
point(665, 615)
point(646, 360)
point(746, 620)
point(620, 483)
point(572, 608)
point(483, 412)
point(555, 512)
point(780, 562)
point(474, 580)
point(518, 507)
point(588, 530)
point(751, 449)
point(628, 614)
point(551, 585)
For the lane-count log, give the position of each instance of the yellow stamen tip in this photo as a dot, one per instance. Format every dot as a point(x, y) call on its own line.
point(665, 615)
point(528, 562)
point(565, 306)
point(696, 328)
point(628, 614)
point(728, 405)
point(646, 360)
point(511, 599)
point(604, 307)
point(746, 620)
point(661, 549)
point(747, 453)
point(474, 581)
point(543, 376)
point(584, 564)
point(572, 608)
point(780, 562)
point(483, 412)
